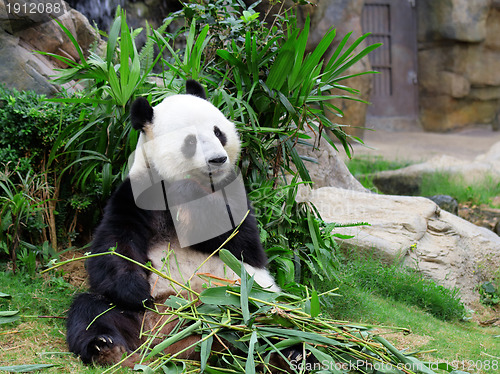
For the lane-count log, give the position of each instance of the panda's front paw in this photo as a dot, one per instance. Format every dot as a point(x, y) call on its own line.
point(100, 344)
point(104, 350)
point(295, 358)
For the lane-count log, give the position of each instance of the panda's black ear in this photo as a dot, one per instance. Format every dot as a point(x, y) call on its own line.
point(141, 113)
point(196, 89)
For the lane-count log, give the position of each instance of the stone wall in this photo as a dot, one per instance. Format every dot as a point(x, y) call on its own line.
point(459, 63)
point(345, 16)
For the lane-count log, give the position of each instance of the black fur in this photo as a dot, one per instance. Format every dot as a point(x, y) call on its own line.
point(220, 135)
point(141, 113)
point(114, 328)
point(195, 89)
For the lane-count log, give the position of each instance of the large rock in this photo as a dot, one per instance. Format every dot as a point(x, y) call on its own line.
point(23, 69)
point(407, 181)
point(326, 168)
point(444, 247)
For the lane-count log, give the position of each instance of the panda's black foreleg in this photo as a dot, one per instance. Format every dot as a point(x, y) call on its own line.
point(121, 281)
point(99, 332)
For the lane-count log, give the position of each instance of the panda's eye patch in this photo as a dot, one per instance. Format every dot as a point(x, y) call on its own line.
point(189, 147)
point(220, 135)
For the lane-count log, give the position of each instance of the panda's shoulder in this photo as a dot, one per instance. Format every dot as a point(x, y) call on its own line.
point(123, 194)
point(121, 208)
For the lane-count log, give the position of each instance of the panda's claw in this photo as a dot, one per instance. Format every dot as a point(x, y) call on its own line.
point(110, 341)
point(102, 339)
point(97, 347)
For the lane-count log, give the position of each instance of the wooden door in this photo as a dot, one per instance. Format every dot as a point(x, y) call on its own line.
point(395, 90)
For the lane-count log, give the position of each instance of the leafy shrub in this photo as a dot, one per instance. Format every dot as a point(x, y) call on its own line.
point(29, 127)
point(22, 207)
point(489, 294)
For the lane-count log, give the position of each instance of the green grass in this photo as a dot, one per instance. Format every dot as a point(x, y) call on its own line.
point(461, 341)
point(395, 282)
point(404, 285)
point(38, 336)
point(361, 167)
point(391, 295)
point(457, 187)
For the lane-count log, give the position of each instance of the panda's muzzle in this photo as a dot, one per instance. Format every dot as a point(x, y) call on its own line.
point(217, 161)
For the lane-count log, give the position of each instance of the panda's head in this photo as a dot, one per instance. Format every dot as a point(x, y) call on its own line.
point(184, 136)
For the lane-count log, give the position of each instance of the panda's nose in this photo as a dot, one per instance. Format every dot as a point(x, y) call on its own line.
point(217, 161)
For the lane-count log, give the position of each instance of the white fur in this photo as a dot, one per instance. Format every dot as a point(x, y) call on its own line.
point(182, 264)
point(262, 277)
point(175, 118)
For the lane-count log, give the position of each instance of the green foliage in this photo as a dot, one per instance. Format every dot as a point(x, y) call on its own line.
point(31, 181)
point(245, 66)
point(29, 127)
point(257, 326)
point(21, 216)
point(489, 294)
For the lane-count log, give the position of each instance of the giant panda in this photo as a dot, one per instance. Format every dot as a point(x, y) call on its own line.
point(180, 202)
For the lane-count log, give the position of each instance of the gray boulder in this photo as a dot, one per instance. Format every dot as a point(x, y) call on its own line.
point(442, 246)
point(445, 202)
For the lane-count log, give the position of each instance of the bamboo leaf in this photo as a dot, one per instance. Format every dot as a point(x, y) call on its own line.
point(230, 260)
point(415, 364)
point(304, 335)
point(300, 48)
point(282, 66)
point(9, 316)
point(338, 50)
point(184, 333)
point(250, 364)
point(125, 52)
point(325, 359)
point(244, 295)
point(144, 368)
point(205, 349)
point(112, 41)
point(315, 306)
point(73, 41)
point(219, 296)
point(303, 172)
point(25, 368)
point(107, 178)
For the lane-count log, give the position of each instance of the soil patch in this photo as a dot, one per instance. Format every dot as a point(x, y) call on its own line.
point(481, 215)
point(74, 273)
